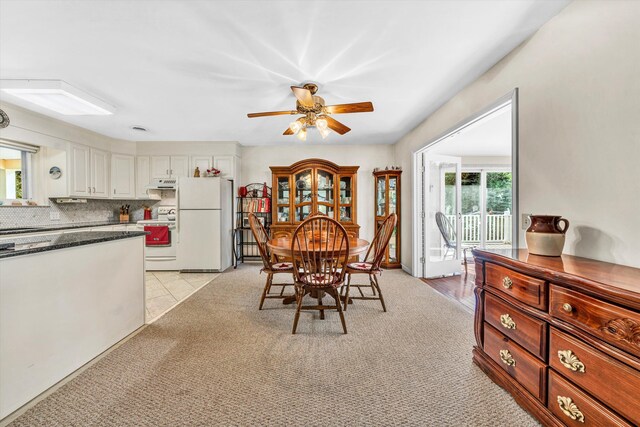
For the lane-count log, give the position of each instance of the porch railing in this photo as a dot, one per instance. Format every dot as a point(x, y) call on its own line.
point(498, 228)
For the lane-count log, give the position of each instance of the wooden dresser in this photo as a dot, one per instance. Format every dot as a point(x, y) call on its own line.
point(561, 334)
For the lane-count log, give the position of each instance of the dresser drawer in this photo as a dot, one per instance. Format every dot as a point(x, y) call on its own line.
point(518, 362)
point(613, 324)
point(530, 333)
point(593, 371)
point(527, 289)
point(575, 408)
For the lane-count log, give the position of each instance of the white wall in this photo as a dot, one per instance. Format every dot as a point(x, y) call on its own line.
point(579, 127)
point(191, 148)
point(256, 162)
point(483, 161)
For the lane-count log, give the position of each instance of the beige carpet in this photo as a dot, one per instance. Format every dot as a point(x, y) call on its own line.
point(217, 360)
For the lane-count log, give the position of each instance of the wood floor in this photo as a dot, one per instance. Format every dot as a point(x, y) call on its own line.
point(458, 288)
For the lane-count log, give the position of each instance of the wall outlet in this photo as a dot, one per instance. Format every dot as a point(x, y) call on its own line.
point(54, 216)
point(525, 221)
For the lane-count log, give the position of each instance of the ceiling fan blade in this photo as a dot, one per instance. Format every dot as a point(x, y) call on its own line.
point(357, 107)
point(272, 113)
point(288, 132)
point(303, 95)
point(336, 126)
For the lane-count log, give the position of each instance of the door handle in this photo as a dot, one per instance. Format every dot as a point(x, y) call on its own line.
point(89, 190)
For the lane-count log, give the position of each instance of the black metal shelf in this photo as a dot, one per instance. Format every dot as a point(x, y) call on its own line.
point(245, 244)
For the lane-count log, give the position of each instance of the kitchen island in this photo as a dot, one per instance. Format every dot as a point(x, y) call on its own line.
point(64, 299)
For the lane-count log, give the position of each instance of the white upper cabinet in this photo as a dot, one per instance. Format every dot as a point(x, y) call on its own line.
point(143, 176)
point(201, 162)
point(169, 166)
point(160, 167)
point(179, 166)
point(99, 173)
point(79, 175)
point(226, 165)
point(123, 181)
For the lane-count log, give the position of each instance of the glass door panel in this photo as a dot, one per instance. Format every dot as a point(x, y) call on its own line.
point(284, 192)
point(392, 250)
point(345, 214)
point(381, 195)
point(325, 187)
point(345, 190)
point(302, 212)
point(283, 214)
point(325, 209)
point(442, 200)
point(393, 188)
point(471, 208)
point(303, 199)
point(498, 222)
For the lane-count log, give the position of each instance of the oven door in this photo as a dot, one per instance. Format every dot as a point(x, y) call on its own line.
point(165, 252)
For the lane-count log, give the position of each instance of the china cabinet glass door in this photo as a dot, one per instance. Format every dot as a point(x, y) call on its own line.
point(381, 196)
point(324, 199)
point(283, 198)
point(303, 200)
point(392, 251)
point(345, 199)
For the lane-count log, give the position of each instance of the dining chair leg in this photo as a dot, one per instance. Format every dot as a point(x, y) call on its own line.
point(375, 279)
point(320, 304)
point(346, 297)
point(267, 287)
point(299, 297)
point(334, 294)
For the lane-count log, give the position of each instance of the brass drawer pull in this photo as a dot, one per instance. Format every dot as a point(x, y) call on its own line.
point(567, 307)
point(507, 358)
point(570, 409)
point(570, 360)
point(507, 283)
point(507, 321)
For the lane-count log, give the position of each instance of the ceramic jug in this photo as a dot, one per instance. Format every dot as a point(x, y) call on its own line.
point(545, 236)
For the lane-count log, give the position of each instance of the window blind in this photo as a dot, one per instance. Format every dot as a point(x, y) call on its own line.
point(16, 145)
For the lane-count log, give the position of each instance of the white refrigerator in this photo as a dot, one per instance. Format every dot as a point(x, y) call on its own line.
point(204, 224)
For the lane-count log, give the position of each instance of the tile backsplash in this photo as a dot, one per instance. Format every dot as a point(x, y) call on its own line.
point(92, 211)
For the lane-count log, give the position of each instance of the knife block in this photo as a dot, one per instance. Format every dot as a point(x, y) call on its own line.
point(124, 218)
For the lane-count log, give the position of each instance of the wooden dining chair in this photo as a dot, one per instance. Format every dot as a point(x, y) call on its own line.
point(271, 265)
point(320, 249)
point(371, 264)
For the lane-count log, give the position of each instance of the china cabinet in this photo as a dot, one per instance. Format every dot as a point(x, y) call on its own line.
point(387, 201)
point(310, 186)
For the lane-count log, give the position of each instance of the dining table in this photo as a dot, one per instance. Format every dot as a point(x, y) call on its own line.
point(281, 247)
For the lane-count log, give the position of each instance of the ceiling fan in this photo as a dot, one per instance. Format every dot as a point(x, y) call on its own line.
point(316, 113)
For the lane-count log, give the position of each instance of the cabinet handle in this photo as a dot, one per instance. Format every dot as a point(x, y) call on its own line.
point(570, 409)
point(89, 190)
point(94, 189)
point(570, 360)
point(114, 191)
point(567, 307)
point(507, 321)
point(507, 283)
point(507, 358)
point(167, 171)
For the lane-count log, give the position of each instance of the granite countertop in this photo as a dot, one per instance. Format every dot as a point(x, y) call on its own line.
point(30, 245)
point(54, 227)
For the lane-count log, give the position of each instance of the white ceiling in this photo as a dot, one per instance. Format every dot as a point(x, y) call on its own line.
point(490, 136)
point(191, 70)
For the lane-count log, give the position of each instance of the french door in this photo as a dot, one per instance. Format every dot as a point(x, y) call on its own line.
point(441, 225)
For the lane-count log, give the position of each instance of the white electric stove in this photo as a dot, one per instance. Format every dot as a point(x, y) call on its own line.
point(162, 257)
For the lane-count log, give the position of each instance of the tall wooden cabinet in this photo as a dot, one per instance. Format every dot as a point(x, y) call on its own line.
point(310, 186)
point(387, 201)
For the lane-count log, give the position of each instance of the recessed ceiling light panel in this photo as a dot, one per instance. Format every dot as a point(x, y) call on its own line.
point(57, 96)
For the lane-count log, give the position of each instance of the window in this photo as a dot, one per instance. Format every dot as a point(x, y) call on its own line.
point(15, 165)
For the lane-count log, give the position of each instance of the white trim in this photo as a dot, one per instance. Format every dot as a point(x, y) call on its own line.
point(510, 98)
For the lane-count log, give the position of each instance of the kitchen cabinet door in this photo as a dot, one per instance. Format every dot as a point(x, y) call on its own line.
point(79, 175)
point(179, 166)
point(123, 177)
point(201, 162)
point(160, 167)
point(99, 173)
point(143, 176)
point(226, 165)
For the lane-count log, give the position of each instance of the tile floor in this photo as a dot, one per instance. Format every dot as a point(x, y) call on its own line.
point(165, 289)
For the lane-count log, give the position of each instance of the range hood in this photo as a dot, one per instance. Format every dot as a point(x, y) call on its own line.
point(163, 184)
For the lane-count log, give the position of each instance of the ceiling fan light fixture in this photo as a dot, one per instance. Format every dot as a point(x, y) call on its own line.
point(295, 126)
point(302, 134)
point(324, 132)
point(321, 123)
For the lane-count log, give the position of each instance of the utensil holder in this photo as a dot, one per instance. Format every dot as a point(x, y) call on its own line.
point(124, 218)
